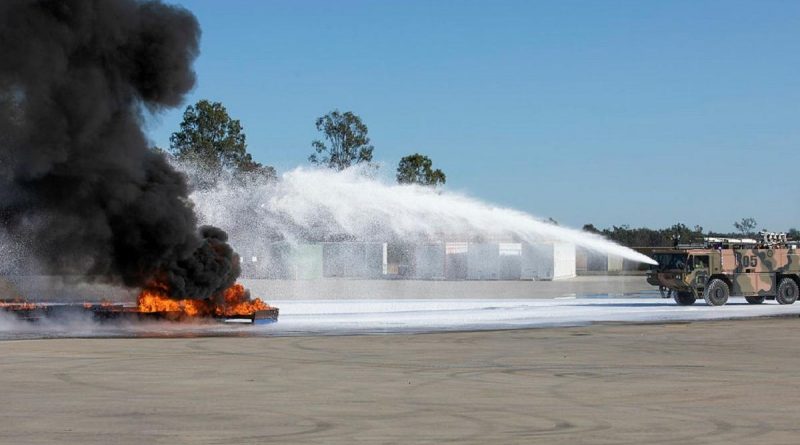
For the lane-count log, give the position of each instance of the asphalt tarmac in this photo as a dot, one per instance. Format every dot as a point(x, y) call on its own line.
point(702, 382)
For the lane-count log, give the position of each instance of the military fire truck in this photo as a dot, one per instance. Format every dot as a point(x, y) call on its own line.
point(757, 269)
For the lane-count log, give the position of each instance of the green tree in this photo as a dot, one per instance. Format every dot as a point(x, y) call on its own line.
point(684, 234)
point(590, 228)
point(794, 234)
point(418, 169)
point(746, 226)
point(348, 143)
point(212, 140)
point(644, 237)
point(248, 168)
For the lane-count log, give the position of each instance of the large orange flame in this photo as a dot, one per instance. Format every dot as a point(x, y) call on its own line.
point(236, 302)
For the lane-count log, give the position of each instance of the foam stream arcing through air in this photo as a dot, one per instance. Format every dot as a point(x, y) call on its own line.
point(313, 203)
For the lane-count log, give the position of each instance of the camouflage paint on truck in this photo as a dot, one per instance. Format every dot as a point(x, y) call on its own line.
point(714, 273)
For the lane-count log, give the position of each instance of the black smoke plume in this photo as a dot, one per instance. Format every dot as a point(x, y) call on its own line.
point(78, 184)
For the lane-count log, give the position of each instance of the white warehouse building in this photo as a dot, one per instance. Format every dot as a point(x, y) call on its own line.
point(548, 261)
point(520, 261)
point(423, 261)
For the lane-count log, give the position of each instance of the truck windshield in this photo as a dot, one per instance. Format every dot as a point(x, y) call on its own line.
point(670, 261)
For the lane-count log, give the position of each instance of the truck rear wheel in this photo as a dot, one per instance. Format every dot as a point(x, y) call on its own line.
point(787, 291)
point(716, 292)
point(755, 300)
point(684, 298)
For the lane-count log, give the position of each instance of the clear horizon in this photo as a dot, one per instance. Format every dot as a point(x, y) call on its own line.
point(610, 113)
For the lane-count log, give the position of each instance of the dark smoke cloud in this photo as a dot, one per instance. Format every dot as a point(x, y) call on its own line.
point(78, 184)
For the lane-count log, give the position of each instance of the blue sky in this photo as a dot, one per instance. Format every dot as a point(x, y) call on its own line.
point(603, 112)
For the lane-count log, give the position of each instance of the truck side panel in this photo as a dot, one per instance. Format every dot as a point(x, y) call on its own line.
point(792, 264)
point(751, 284)
point(766, 284)
point(762, 260)
point(770, 259)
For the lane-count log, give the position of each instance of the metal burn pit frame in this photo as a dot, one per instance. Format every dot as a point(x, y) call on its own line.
point(34, 312)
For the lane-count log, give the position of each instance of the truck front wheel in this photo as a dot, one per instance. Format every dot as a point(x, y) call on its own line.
point(716, 292)
point(787, 291)
point(684, 298)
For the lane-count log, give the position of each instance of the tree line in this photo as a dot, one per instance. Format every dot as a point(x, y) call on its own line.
point(646, 237)
point(210, 139)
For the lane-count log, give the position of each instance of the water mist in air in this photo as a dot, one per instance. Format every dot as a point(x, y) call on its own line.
point(311, 205)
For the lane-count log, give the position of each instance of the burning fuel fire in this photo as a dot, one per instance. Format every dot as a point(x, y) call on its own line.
point(235, 302)
point(154, 303)
point(17, 304)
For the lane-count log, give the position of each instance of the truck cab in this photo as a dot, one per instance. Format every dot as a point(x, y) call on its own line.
point(682, 274)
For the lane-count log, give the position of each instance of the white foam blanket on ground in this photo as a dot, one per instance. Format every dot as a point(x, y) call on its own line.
point(375, 316)
point(342, 317)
